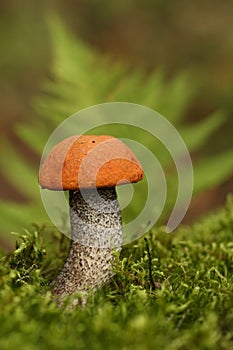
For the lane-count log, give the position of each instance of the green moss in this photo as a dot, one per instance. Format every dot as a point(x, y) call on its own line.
point(172, 291)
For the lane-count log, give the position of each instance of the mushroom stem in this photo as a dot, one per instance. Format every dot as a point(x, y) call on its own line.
point(96, 231)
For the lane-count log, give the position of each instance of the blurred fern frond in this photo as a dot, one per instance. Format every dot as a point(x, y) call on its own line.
point(80, 78)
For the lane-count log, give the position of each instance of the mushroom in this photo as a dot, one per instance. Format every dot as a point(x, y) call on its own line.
point(90, 167)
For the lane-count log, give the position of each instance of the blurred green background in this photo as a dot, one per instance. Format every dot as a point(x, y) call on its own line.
point(147, 35)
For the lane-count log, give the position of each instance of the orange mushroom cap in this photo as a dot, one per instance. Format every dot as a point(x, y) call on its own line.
point(89, 161)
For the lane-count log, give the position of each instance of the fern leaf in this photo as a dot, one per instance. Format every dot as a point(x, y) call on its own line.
point(152, 89)
point(177, 97)
point(196, 135)
point(20, 172)
point(35, 140)
point(15, 216)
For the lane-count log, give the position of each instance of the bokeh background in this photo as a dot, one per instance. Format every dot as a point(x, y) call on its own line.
point(174, 35)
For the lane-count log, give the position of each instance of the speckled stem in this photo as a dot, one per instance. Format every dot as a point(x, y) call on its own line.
point(95, 230)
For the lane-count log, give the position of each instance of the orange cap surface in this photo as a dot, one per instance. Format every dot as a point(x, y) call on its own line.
point(89, 161)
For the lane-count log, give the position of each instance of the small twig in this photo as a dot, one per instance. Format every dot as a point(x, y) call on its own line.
point(151, 279)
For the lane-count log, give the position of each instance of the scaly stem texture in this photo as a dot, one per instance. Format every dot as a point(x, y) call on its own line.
point(95, 231)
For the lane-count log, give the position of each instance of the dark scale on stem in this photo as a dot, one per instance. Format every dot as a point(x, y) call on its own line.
point(95, 231)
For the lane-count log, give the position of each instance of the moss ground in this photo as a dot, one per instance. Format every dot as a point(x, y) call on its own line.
point(170, 291)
